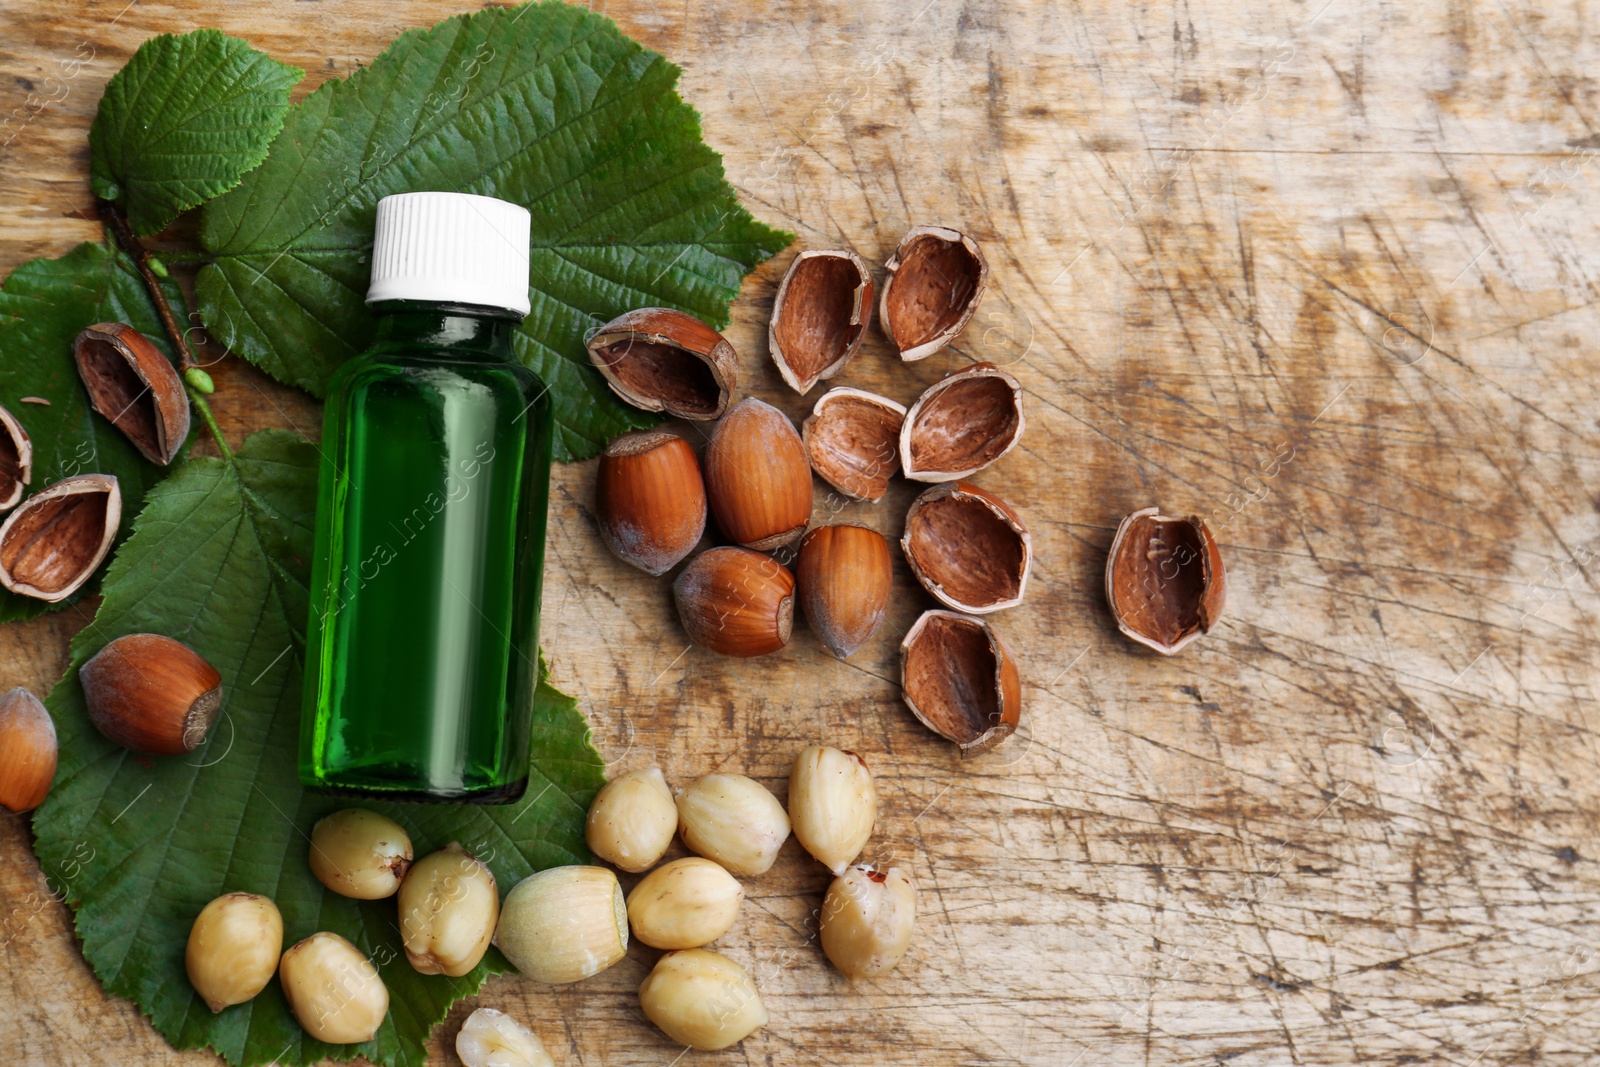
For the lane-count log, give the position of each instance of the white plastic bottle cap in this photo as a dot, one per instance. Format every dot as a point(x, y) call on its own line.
point(452, 248)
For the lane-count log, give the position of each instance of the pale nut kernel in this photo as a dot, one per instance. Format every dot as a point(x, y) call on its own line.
point(733, 820)
point(359, 853)
point(333, 990)
point(867, 919)
point(684, 904)
point(702, 999)
point(832, 804)
point(632, 820)
point(233, 948)
point(564, 924)
point(491, 1038)
point(448, 910)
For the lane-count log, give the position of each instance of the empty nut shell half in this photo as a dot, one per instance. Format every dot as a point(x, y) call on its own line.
point(736, 602)
point(967, 547)
point(659, 359)
point(844, 575)
point(54, 541)
point(960, 681)
point(1165, 583)
point(936, 278)
point(650, 499)
point(133, 384)
point(16, 460)
point(962, 423)
point(822, 311)
point(853, 439)
point(758, 480)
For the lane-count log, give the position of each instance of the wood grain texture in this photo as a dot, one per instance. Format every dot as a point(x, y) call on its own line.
point(1325, 272)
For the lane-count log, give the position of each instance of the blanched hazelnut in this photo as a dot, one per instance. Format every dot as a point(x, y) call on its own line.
point(491, 1038)
point(632, 820)
point(333, 990)
point(702, 999)
point(564, 924)
point(867, 919)
point(684, 904)
point(359, 853)
point(233, 948)
point(833, 804)
point(448, 910)
point(733, 820)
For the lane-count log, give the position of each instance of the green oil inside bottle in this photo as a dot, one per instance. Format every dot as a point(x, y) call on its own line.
point(422, 645)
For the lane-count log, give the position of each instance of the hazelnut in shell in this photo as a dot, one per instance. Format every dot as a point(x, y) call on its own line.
point(736, 602)
point(52, 543)
point(853, 440)
point(822, 310)
point(133, 384)
point(844, 576)
point(650, 499)
point(961, 424)
point(936, 278)
point(960, 681)
point(758, 479)
point(27, 751)
point(659, 359)
point(967, 547)
point(1165, 582)
point(151, 694)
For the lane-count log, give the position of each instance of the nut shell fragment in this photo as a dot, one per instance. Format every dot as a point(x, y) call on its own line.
point(53, 541)
point(16, 460)
point(853, 440)
point(822, 311)
point(936, 278)
point(961, 423)
point(960, 681)
point(659, 359)
point(967, 547)
point(132, 383)
point(1165, 582)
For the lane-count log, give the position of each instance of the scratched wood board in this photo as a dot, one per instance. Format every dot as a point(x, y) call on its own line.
point(1323, 272)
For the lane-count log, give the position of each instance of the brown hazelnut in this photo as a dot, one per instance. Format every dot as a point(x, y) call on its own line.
point(650, 499)
point(936, 278)
point(843, 575)
point(962, 423)
point(27, 750)
point(960, 680)
point(819, 317)
point(52, 543)
point(151, 694)
point(16, 460)
point(853, 439)
point(967, 547)
point(757, 478)
point(659, 359)
point(1165, 582)
point(736, 602)
point(132, 383)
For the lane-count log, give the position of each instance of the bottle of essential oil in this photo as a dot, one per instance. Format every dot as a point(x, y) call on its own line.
point(422, 645)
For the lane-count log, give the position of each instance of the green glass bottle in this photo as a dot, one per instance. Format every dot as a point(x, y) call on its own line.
point(422, 644)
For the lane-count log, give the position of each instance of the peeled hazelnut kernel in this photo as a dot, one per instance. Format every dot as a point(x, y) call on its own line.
point(967, 547)
point(736, 602)
point(16, 460)
point(1165, 583)
point(853, 440)
point(52, 543)
point(833, 804)
point(684, 904)
point(134, 385)
point(650, 500)
point(702, 999)
point(733, 820)
point(359, 853)
point(233, 948)
point(448, 910)
point(632, 820)
point(564, 924)
point(333, 990)
point(27, 751)
point(659, 359)
point(936, 278)
point(491, 1038)
point(844, 576)
point(822, 310)
point(867, 919)
point(960, 680)
point(960, 424)
point(758, 479)
point(151, 694)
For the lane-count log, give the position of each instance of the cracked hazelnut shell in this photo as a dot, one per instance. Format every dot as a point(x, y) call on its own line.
point(936, 278)
point(16, 460)
point(758, 480)
point(822, 311)
point(967, 547)
point(960, 680)
point(844, 575)
point(650, 499)
point(659, 359)
point(736, 602)
point(853, 440)
point(132, 383)
point(961, 423)
point(54, 540)
point(1165, 582)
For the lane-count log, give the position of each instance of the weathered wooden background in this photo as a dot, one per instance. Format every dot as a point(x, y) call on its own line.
point(1325, 271)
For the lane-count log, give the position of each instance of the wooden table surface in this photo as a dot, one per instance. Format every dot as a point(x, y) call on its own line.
point(1326, 272)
